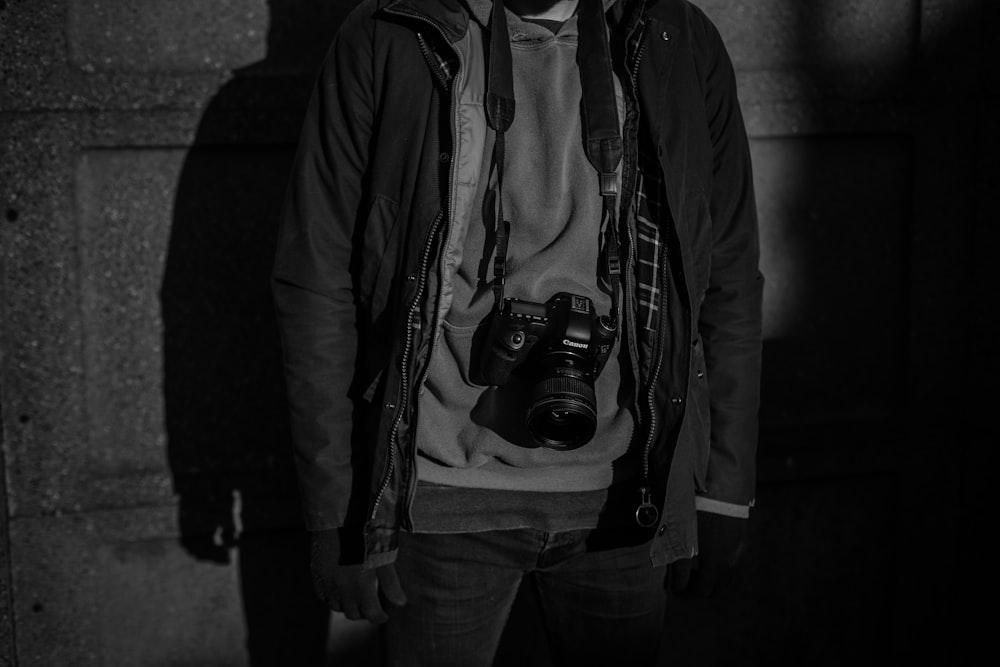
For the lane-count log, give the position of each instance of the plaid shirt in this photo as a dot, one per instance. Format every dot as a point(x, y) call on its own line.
point(650, 209)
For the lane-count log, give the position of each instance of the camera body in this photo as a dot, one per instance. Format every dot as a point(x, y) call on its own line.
point(562, 346)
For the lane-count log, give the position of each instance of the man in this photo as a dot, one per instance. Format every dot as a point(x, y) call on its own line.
point(518, 292)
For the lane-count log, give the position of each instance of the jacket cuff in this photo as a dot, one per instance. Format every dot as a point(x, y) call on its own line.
point(705, 504)
point(374, 561)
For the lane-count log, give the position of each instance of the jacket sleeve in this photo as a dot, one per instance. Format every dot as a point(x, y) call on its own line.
point(731, 313)
point(312, 283)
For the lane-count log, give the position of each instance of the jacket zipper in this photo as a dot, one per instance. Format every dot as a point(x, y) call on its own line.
point(432, 63)
point(443, 239)
point(424, 268)
point(630, 260)
point(411, 325)
point(646, 513)
point(657, 363)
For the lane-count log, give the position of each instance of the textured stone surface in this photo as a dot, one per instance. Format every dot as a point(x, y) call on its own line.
point(121, 210)
point(115, 588)
point(802, 73)
point(157, 36)
point(44, 412)
point(99, 54)
point(125, 588)
point(852, 35)
point(175, 266)
point(833, 216)
point(806, 68)
point(124, 200)
point(43, 371)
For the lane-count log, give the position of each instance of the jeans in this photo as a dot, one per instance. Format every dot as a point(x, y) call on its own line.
point(600, 604)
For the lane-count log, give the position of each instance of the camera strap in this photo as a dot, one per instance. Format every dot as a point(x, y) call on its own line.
point(602, 132)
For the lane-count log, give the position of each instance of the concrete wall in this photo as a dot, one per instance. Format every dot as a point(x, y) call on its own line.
point(147, 511)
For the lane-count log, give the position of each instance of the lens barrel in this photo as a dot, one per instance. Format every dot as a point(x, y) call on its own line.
point(562, 413)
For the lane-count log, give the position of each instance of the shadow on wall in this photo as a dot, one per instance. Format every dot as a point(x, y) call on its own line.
point(226, 416)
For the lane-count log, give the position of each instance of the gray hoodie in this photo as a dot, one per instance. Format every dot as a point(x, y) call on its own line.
point(474, 436)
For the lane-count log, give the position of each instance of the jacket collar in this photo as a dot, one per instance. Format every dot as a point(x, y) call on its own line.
point(452, 16)
point(668, 11)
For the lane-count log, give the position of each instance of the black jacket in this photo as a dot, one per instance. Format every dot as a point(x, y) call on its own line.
point(356, 278)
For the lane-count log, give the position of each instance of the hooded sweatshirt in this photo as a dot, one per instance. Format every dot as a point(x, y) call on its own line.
point(478, 466)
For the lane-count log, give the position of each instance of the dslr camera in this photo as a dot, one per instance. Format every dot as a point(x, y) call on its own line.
point(561, 347)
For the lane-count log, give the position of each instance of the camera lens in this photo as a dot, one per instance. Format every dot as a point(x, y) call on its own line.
point(562, 412)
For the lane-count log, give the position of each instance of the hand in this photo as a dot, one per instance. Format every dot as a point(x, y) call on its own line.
point(721, 541)
point(359, 594)
point(208, 530)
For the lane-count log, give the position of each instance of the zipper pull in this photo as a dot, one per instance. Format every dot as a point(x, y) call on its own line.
point(646, 515)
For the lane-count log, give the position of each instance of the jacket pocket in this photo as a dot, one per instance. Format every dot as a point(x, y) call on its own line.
point(379, 254)
point(369, 393)
point(700, 244)
point(700, 414)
